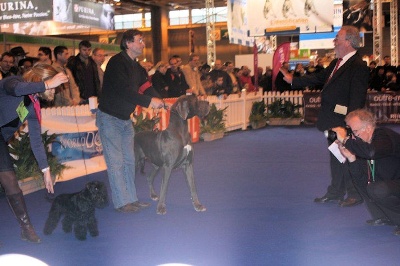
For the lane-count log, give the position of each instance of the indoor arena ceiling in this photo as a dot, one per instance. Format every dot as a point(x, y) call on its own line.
point(131, 6)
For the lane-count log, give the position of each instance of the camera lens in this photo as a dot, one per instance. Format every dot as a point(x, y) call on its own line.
point(330, 135)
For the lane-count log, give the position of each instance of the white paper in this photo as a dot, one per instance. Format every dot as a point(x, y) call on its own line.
point(334, 148)
point(93, 103)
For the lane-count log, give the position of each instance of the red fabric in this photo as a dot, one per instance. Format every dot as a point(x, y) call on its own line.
point(247, 80)
point(36, 106)
point(281, 55)
point(255, 62)
point(144, 87)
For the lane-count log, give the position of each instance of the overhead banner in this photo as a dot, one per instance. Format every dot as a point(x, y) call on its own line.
point(282, 15)
point(237, 22)
point(48, 17)
point(18, 11)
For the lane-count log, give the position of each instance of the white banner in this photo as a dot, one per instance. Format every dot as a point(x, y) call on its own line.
point(237, 22)
point(282, 15)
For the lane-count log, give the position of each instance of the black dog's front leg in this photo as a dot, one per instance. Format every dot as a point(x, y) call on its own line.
point(188, 170)
point(92, 226)
point(80, 230)
point(67, 223)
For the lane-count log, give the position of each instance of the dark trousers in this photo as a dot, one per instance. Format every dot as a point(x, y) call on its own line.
point(341, 183)
point(381, 197)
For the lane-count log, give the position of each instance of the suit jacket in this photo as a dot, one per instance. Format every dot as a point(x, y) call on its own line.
point(347, 88)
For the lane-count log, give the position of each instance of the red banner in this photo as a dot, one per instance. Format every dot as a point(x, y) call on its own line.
point(255, 61)
point(281, 55)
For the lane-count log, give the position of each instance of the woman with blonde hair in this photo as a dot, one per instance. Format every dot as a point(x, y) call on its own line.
point(19, 103)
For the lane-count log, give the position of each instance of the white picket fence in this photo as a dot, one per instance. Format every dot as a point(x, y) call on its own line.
point(237, 113)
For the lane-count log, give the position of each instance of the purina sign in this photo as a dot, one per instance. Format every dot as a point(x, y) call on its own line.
point(17, 11)
point(44, 17)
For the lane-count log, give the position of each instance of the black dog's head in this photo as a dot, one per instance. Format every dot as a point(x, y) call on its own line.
point(97, 192)
point(188, 106)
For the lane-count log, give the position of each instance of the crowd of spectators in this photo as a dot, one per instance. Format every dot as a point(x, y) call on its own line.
point(173, 78)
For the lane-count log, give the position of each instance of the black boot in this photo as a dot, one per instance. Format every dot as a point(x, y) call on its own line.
point(17, 204)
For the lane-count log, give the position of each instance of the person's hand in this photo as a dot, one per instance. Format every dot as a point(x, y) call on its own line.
point(156, 103)
point(341, 133)
point(48, 182)
point(345, 152)
point(57, 80)
point(286, 75)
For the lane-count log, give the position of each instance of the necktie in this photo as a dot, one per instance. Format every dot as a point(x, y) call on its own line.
point(335, 69)
point(36, 106)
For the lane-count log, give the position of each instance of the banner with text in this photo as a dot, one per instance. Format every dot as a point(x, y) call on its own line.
point(52, 17)
point(385, 105)
point(20, 11)
point(282, 15)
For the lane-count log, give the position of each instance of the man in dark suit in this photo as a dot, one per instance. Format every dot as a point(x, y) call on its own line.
point(345, 83)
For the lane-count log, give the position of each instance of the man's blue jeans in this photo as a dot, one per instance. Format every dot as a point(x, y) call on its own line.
point(117, 139)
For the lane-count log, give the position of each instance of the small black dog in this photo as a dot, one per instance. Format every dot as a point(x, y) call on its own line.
point(78, 210)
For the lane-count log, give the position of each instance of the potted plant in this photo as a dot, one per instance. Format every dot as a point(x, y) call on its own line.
point(258, 117)
point(213, 125)
point(29, 175)
point(284, 112)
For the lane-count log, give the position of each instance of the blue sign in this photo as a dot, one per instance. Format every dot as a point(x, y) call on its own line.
point(77, 146)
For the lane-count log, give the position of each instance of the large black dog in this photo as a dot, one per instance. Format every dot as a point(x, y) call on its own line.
point(78, 210)
point(171, 148)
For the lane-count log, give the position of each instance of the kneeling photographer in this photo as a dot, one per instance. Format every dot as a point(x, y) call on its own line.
point(373, 156)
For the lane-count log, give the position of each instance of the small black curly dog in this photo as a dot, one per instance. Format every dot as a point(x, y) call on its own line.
point(78, 210)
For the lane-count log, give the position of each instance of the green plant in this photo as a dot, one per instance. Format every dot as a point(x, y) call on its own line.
point(214, 122)
point(24, 161)
point(143, 123)
point(283, 109)
point(258, 110)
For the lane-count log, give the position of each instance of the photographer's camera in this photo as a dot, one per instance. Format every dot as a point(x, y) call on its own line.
point(332, 136)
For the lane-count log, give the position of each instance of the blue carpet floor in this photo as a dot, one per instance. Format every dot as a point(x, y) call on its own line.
point(258, 187)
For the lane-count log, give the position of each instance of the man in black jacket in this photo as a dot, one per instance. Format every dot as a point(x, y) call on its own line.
point(345, 83)
point(125, 86)
point(84, 69)
point(376, 173)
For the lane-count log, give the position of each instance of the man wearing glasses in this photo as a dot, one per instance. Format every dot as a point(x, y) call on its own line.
point(125, 86)
point(376, 173)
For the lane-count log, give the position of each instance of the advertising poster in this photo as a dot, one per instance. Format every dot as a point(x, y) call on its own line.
point(282, 15)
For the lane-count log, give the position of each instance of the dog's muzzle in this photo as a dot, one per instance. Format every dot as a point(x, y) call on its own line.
point(203, 108)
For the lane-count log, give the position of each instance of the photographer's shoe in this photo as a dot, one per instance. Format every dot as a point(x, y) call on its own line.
point(379, 222)
point(326, 199)
point(396, 231)
point(350, 202)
